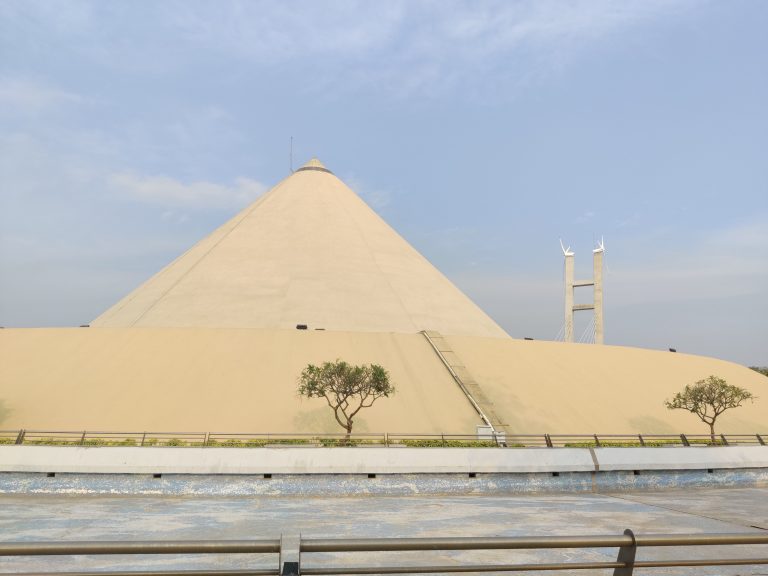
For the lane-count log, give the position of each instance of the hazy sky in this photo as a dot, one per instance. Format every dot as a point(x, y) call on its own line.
point(482, 131)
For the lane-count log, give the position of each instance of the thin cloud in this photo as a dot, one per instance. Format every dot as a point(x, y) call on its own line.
point(21, 95)
point(431, 48)
point(272, 33)
point(375, 198)
point(585, 217)
point(404, 48)
point(725, 263)
point(167, 191)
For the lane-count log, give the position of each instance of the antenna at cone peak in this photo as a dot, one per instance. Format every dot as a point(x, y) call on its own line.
point(314, 164)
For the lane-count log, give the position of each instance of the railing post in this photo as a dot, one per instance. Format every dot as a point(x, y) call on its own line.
point(82, 438)
point(205, 440)
point(722, 437)
point(760, 439)
point(20, 437)
point(685, 440)
point(386, 439)
point(548, 440)
point(626, 556)
point(143, 437)
point(290, 555)
point(597, 441)
point(642, 442)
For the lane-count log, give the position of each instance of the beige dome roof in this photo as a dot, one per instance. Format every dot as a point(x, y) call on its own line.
point(314, 164)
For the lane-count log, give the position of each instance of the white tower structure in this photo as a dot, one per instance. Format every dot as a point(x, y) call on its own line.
point(597, 299)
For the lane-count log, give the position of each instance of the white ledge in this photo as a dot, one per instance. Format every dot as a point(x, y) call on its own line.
point(676, 458)
point(126, 460)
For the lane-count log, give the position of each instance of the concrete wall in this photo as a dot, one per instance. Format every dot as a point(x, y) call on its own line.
point(331, 485)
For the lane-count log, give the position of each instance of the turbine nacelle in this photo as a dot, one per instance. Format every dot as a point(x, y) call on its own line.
point(600, 246)
point(566, 251)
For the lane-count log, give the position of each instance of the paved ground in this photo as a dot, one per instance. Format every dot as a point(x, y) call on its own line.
point(76, 517)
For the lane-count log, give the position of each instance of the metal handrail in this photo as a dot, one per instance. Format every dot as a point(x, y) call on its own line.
point(528, 542)
point(316, 571)
point(623, 566)
point(465, 543)
point(224, 439)
point(140, 547)
point(240, 572)
point(291, 549)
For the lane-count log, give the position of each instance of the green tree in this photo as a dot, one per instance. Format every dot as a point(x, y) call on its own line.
point(761, 369)
point(708, 399)
point(346, 388)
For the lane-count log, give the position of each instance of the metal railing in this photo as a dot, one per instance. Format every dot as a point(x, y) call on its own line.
point(372, 440)
point(146, 547)
point(293, 550)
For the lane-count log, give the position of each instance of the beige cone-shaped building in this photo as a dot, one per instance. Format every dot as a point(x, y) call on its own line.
point(310, 252)
point(211, 343)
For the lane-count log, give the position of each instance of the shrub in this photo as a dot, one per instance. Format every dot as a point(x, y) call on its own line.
point(331, 442)
point(95, 442)
point(289, 441)
point(439, 443)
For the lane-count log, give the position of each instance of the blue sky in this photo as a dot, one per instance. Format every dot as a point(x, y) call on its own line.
point(482, 131)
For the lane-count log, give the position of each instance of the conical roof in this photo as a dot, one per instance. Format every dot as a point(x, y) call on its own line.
point(310, 252)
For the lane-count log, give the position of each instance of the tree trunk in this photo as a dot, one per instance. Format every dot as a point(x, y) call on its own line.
point(712, 431)
point(349, 432)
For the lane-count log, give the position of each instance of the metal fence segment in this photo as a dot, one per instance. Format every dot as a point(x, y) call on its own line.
point(292, 548)
point(94, 438)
